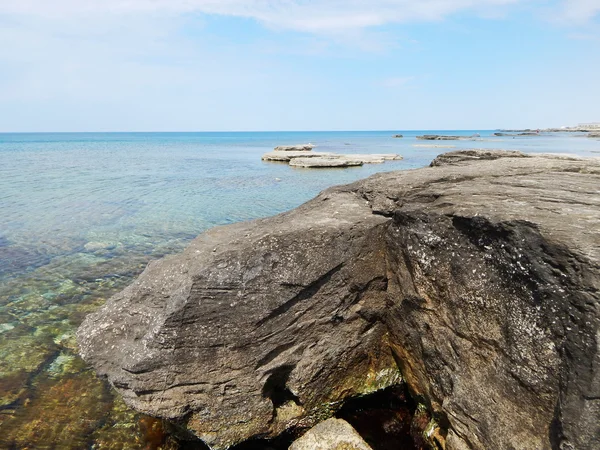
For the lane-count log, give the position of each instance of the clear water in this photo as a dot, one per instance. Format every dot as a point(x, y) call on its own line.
point(82, 214)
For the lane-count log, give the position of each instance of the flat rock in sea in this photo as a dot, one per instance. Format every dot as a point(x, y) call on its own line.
point(332, 434)
point(437, 137)
point(398, 136)
point(338, 161)
point(476, 282)
point(288, 155)
point(594, 135)
point(295, 148)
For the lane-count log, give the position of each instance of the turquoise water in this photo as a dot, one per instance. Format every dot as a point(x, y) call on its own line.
point(82, 214)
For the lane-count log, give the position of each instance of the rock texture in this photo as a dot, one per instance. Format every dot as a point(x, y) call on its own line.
point(437, 137)
point(478, 278)
point(332, 434)
point(327, 162)
point(286, 156)
point(295, 148)
point(322, 159)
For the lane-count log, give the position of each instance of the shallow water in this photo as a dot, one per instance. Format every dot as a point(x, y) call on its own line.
point(82, 214)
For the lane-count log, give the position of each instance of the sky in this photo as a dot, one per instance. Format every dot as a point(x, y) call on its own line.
point(243, 65)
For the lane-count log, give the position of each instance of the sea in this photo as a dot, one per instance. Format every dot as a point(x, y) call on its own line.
point(82, 214)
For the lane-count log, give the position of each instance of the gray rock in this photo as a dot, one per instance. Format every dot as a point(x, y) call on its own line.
point(398, 136)
point(295, 148)
point(437, 137)
point(594, 135)
point(338, 161)
point(479, 279)
point(459, 156)
point(288, 155)
point(333, 434)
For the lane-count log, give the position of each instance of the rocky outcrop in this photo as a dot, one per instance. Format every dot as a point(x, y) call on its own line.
point(295, 148)
point(286, 156)
point(476, 282)
point(398, 136)
point(325, 162)
point(328, 160)
point(526, 133)
point(437, 137)
point(460, 156)
point(332, 434)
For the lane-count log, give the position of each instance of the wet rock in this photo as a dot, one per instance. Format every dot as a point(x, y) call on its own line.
point(594, 135)
point(437, 137)
point(326, 162)
point(288, 155)
point(461, 156)
point(398, 136)
point(332, 434)
point(478, 279)
point(295, 148)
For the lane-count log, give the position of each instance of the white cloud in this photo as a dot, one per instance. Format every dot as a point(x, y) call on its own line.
point(580, 10)
point(301, 15)
point(324, 16)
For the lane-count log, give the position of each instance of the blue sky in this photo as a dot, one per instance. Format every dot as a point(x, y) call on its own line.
point(212, 65)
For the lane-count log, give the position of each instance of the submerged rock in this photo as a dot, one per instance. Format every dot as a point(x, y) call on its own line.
point(594, 135)
point(479, 279)
point(332, 434)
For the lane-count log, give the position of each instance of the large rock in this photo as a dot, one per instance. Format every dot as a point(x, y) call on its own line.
point(479, 279)
point(286, 156)
point(332, 434)
point(437, 137)
point(328, 162)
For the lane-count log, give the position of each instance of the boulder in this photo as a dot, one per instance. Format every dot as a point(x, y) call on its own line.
point(337, 161)
point(295, 148)
point(332, 434)
point(398, 136)
point(475, 282)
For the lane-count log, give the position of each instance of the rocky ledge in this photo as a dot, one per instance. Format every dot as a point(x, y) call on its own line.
point(298, 156)
point(475, 282)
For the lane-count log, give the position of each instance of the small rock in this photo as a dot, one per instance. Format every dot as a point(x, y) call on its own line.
point(295, 148)
point(398, 136)
point(333, 434)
